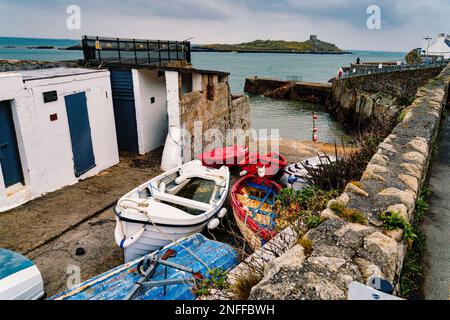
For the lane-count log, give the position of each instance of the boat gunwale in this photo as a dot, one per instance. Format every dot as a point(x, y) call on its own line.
point(201, 218)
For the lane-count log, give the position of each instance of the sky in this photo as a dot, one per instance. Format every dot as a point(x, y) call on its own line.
point(343, 22)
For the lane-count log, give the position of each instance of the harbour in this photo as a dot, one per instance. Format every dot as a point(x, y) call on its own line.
point(134, 175)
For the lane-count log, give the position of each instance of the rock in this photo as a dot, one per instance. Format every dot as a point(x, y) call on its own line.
point(406, 197)
point(401, 209)
point(355, 189)
point(410, 181)
point(328, 214)
point(291, 259)
point(419, 144)
point(337, 238)
point(367, 175)
point(368, 269)
point(319, 278)
point(415, 157)
point(374, 168)
point(388, 147)
point(383, 251)
point(329, 263)
point(412, 169)
point(343, 198)
point(379, 159)
point(396, 234)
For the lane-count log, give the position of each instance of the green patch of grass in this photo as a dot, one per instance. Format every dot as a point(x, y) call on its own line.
point(393, 221)
point(306, 244)
point(292, 205)
point(349, 214)
point(401, 116)
point(412, 272)
point(244, 284)
point(312, 221)
point(216, 279)
point(411, 278)
point(422, 206)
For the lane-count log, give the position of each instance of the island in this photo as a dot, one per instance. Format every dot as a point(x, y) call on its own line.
point(311, 46)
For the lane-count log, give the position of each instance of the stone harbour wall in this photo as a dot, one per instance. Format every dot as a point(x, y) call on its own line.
point(293, 90)
point(215, 112)
point(355, 100)
point(341, 251)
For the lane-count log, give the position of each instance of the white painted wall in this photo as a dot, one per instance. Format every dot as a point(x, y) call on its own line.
point(152, 118)
point(172, 154)
point(45, 146)
point(197, 82)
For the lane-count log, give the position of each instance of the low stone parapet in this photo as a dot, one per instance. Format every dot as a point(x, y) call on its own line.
point(342, 251)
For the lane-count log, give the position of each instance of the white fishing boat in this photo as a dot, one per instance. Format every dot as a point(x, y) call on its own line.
point(176, 204)
point(295, 174)
point(20, 279)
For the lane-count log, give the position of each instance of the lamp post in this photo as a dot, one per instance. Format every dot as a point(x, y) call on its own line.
point(427, 38)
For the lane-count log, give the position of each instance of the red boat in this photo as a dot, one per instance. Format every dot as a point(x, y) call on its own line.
point(253, 200)
point(229, 156)
point(270, 165)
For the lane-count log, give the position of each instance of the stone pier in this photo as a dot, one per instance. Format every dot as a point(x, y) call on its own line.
point(293, 90)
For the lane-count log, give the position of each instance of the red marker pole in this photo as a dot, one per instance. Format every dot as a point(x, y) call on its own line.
point(314, 129)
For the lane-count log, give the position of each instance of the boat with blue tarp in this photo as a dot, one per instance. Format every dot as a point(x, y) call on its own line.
point(167, 274)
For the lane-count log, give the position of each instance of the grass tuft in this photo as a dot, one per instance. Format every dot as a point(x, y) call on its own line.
point(349, 214)
point(306, 244)
point(242, 287)
point(393, 221)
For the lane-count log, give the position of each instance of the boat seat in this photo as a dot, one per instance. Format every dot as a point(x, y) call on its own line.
point(258, 186)
point(220, 181)
point(167, 197)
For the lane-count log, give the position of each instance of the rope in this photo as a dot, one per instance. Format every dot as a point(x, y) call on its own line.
point(162, 232)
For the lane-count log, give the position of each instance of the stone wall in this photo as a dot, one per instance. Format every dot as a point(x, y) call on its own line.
point(14, 65)
point(343, 251)
point(355, 100)
point(292, 90)
point(212, 112)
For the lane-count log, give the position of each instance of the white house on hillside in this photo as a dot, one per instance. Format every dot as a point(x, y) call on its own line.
point(441, 47)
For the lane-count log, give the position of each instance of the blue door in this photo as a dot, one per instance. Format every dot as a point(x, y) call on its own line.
point(9, 152)
point(80, 133)
point(124, 110)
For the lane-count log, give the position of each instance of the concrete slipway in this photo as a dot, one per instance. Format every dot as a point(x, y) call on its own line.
point(50, 229)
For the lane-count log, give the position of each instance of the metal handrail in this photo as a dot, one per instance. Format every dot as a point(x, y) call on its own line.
point(357, 71)
point(103, 50)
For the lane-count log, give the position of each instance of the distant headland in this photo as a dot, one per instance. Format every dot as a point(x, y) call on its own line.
point(311, 46)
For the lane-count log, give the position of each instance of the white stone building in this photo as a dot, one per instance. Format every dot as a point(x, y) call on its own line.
point(440, 47)
point(56, 127)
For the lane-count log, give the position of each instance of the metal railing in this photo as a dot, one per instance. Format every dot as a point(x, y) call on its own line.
point(364, 70)
point(102, 50)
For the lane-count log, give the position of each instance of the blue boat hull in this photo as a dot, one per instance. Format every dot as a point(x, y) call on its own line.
point(116, 283)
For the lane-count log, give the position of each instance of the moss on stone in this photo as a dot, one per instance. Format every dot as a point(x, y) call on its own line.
point(349, 214)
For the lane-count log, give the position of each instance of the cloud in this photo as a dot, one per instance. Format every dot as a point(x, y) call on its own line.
point(404, 22)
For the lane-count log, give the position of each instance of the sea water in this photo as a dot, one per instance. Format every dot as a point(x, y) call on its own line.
point(293, 119)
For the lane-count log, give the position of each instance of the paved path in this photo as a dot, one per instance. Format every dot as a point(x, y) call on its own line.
point(35, 223)
point(50, 229)
point(437, 224)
